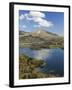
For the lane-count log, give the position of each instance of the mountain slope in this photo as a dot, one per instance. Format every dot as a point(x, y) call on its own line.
point(43, 34)
point(40, 38)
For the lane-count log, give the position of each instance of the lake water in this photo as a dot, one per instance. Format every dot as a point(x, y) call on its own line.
point(54, 58)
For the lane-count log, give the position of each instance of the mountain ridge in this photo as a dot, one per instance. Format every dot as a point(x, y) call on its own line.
point(40, 39)
point(38, 33)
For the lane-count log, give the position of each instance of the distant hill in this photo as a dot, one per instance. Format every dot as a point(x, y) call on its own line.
point(23, 33)
point(38, 33)
point(42, 38)
point(43, 32)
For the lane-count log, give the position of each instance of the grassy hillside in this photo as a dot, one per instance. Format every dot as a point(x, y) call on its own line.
point(27, 68)
point(41, 39)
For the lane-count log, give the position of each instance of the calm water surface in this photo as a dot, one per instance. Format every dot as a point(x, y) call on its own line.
point(54, 58)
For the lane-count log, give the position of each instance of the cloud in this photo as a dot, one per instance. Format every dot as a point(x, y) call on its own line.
point(42, 22)
point(36, 14)
point(22, 17)
point(24, 26)
point(32, 15)
point(37, 17)
point(28, 17)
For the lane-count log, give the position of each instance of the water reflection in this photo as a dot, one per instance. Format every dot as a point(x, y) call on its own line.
point(54, 58)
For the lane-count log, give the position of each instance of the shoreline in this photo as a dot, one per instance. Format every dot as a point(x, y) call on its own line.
point(27, 68)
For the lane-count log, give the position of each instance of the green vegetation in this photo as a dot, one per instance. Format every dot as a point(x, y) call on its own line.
point(42, 40)
point(27, 65)
point(38, 43)
point(27, 68)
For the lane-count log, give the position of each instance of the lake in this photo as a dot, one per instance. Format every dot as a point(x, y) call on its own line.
point(54, 58)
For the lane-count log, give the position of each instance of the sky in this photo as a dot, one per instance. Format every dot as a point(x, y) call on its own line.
point(35, 20)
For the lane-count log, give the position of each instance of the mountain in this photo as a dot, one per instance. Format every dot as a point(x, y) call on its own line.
point(38, 32)
point(43, 33)
point(40, 38)
point(23, 33)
